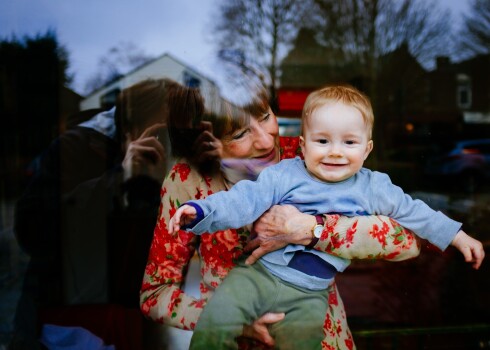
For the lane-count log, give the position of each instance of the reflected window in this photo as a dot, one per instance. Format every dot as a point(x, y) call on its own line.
point(464, 91)
point(108, 100)
point(191, 81)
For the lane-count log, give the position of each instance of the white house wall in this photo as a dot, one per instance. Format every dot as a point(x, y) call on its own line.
point(163, 67)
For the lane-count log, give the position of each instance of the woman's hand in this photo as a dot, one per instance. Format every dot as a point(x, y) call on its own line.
point(145, 155)
point(259, 329)
point(279, 226)
point(207, 147)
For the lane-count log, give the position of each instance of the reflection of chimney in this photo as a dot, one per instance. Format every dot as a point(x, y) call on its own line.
point(442, 62)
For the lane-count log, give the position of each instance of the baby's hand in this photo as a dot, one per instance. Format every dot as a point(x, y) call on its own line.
point(471, 248)
point(184, 215)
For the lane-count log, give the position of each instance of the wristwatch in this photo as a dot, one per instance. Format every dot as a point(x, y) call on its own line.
point(316, 231)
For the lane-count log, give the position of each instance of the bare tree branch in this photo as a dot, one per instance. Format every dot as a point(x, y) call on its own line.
point(475, 34)
point(118, 61)
point(254, 34)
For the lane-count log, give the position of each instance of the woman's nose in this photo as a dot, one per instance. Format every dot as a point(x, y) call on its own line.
point(263, 139)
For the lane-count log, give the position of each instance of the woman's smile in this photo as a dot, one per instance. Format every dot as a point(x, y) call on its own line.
point(268, 156)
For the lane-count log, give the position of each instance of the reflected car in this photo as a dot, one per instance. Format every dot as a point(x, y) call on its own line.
point(467, 161)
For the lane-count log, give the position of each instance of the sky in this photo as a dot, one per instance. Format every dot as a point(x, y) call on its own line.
point(89, 28)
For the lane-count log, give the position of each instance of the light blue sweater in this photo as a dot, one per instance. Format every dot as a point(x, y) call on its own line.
point(288, 182)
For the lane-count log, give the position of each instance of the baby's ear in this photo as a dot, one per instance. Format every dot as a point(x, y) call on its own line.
point(301, 141)
point(369, 148)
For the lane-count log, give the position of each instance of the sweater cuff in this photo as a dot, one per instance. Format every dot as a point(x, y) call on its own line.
point(199, 216)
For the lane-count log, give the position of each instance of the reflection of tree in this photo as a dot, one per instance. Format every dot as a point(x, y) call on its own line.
point(33, 72)
point(475, 34)
point(370, 43)
point(252, 33)
point(359, 32)
point(116, 62)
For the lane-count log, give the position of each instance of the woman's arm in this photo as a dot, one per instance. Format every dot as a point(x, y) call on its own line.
point(360, 237)
point(367, 237)
point(162, 297)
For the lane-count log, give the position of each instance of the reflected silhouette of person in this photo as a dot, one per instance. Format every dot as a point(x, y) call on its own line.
point(86, 219)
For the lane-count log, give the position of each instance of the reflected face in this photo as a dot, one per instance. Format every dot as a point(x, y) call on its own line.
point(335, 142)
point(259, 140)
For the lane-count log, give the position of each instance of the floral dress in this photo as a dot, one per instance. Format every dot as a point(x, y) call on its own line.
point(162, 297)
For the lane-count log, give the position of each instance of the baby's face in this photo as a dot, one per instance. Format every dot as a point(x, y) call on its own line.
point(335, 142)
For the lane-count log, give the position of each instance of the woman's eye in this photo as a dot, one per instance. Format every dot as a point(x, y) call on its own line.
point(238, 135)
point(266, 117)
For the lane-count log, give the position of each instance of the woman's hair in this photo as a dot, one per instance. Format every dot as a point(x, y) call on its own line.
point(346, 94)
point(228, 117)
point(155, 100)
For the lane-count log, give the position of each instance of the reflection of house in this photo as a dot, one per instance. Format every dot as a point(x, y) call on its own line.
point(165, 66)
point(306, 67)
point(463, 89)
point(411, 104)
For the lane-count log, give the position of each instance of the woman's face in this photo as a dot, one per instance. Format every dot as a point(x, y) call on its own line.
point(259, 140)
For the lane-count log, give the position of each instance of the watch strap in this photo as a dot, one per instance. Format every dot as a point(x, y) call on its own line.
point(314, 240)
point(319, 220)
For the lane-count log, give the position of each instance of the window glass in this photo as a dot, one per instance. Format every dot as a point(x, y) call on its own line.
point(80, 185)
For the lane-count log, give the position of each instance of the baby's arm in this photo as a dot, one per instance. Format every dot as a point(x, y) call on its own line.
point(471, 248)
point(183, 216)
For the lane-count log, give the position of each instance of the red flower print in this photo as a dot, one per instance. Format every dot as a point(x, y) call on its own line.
point(147, 305)
point(199, 303)
point(392, 255)
point(326, 346)
point(203, 288)
point(182, 169)
point(220, 251)
point(289, 147)
point(207, 180)
point(332, 299)
point(198, 194)
point(339, 327)
point(228, 238)
point(327, 325)
point(186, 328)
point(335, 242)
point(175, 301)
point(349, 343)
point(149, 270)
point(351, 231)
point(380, 234)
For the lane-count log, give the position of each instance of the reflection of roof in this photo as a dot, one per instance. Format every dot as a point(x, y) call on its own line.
point(150, 62)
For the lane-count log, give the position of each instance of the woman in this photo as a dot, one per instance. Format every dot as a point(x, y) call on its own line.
point(248, 145)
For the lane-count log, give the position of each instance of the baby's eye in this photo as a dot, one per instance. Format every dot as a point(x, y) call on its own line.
point(350, 142)
point(322, 141)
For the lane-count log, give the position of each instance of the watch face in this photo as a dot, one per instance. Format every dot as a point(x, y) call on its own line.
point(317, 231)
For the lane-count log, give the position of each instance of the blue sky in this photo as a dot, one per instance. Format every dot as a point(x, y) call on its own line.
point(88, 28)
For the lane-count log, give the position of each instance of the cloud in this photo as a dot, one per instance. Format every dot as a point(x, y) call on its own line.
point(88, 28)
